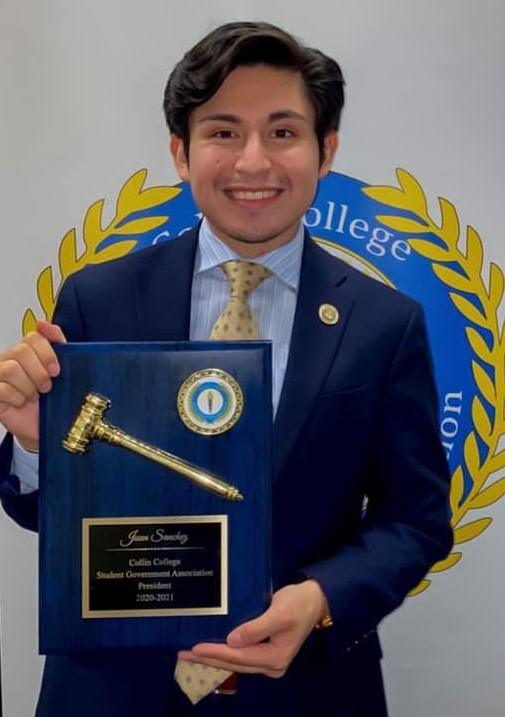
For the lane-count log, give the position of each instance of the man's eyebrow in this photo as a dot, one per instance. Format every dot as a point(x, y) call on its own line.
point(219, 117)
point(287, 114)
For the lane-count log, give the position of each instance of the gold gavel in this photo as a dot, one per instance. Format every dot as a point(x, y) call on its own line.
point(89, 424)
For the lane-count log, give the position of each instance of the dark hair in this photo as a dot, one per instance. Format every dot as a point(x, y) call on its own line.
point(204, 68)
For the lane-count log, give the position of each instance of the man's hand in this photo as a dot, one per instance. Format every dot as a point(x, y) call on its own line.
point(268, 644)
point(26, 370)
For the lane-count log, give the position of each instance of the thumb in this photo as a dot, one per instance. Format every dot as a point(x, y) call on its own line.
point(51, 332)
point(254, 631)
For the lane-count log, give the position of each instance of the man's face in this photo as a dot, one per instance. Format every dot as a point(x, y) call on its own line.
point(254, 160)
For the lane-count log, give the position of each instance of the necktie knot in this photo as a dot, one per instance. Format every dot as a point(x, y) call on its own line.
point(244, 277)
point(237, 321)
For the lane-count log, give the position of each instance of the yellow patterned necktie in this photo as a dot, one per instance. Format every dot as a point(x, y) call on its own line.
point(198, 681)
point(235, 322)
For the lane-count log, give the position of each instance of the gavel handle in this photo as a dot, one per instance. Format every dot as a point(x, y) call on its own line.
point(205, 479)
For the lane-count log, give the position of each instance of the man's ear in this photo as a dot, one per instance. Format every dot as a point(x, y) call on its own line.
point(179, 156)
point(330, 146)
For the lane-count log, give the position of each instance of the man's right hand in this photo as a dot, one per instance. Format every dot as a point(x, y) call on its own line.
point(26, 370)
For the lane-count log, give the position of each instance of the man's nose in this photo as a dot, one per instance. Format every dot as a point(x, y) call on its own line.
point(253, 156)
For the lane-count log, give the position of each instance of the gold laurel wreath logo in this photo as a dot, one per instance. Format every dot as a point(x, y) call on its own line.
point(132, 198)
point(458, 262)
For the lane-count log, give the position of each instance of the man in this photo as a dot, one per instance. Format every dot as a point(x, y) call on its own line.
point(253, 117)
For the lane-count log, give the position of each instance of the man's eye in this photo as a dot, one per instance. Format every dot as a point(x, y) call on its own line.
point(283, 132)
point(224, 134)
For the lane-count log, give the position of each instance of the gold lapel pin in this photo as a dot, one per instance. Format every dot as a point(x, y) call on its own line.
point(328, 314)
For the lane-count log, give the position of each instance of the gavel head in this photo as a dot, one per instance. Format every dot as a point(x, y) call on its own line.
point(83, 428)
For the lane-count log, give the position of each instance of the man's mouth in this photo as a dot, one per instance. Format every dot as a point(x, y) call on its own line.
point(252, 195)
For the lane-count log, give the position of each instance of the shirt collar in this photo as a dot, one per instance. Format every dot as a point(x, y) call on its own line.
point(284, 262)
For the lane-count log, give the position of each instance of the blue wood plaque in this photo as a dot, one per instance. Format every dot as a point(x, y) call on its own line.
point(135, 554)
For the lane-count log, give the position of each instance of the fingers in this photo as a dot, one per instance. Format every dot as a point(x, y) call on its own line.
point(255, 631)
point(26, 369)
point(262, 659)
point(51, 332)
point(29, 366)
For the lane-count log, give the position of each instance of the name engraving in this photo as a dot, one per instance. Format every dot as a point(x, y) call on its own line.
point(165, 566)
point(157, 536)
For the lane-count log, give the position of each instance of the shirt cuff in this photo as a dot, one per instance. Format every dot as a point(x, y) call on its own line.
point(25, 466)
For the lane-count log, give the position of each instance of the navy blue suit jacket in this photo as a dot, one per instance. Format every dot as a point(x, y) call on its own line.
point(357, 417)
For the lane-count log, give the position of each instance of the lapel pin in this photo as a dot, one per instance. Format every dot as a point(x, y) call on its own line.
point(328, 314)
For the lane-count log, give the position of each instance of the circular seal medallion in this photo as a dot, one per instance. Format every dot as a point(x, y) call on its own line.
point(210, 402)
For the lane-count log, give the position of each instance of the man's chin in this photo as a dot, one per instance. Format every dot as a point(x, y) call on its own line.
point(254, 239)
point(279, 236)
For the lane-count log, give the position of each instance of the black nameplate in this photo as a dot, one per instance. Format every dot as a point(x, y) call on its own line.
point(169, 566)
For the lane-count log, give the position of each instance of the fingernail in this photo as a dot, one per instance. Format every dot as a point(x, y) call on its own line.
point(53, 369)
point(234, 640)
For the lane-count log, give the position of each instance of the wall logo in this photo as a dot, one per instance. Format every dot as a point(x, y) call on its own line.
point(389, 233)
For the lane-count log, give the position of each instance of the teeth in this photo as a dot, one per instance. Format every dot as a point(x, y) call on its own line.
point(261, 194)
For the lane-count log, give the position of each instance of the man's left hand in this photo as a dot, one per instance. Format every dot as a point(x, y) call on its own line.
point(268, 644)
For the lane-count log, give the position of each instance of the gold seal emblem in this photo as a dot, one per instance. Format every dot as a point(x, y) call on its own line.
point(328, 314)
point(210, 402)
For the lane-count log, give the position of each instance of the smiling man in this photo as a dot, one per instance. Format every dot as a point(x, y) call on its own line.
point(254, 116)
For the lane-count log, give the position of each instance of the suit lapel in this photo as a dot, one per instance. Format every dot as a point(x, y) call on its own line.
point(164, 291)
point(314, 344)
